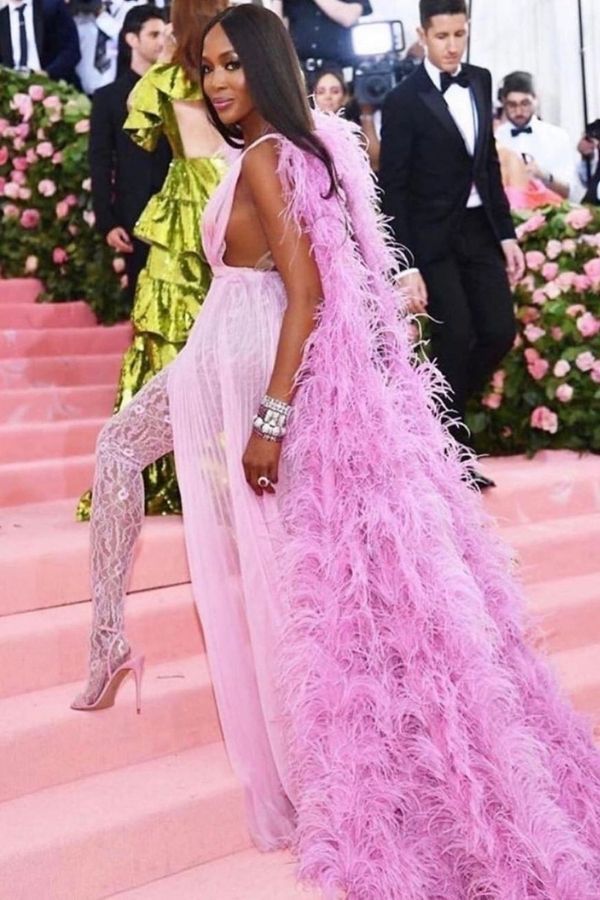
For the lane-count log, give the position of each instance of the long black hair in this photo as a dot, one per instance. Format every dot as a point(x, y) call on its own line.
point(274, 77)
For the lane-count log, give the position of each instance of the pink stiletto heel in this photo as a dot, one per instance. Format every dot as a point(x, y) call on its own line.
point(109, 691)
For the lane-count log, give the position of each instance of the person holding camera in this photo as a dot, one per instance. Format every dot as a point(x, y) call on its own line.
point(443, 193)
point(589, 166)
point(545, 149)
point(39, 36)
point(321, 31)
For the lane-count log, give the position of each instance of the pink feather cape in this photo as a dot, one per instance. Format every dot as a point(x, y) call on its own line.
point(433, 756)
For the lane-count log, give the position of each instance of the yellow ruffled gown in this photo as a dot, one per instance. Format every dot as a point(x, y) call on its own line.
point(174, 283)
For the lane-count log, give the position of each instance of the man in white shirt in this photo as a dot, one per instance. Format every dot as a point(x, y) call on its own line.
point(99, 29)
point(546, 149)
point(39, 36)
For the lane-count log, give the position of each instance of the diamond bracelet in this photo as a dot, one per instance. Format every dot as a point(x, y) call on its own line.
point(271, 420)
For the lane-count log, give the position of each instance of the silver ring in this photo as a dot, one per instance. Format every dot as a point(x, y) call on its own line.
point(264, 482)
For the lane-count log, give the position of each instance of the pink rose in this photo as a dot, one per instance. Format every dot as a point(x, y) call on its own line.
point(588, 325)
point(20, 163)
point(532, 224)
point(23, 104)
point(552, 290)
point(553, 250)
point(22, 130)
point(59, 256)
point(561, 368)
point(45, 150)
point(73, 230)
point(498, 379)
point(569, 245)
point(544, 419)
point(18, 144)
point(86, 184)
point(10, 211)
point(31, 264)
point(52, 102)
point(30, 218)
point(575, 309)
point(11, 190)
point(557, 333)
point(57, 158)
point(531, 354)
point(578, 218)
point(4, 124)
point(529, 314)
point(61, 209)
point(24, 193)
point(82, 127)
point(18, 177)
point(41, 134)
point(550, 271)
point(89, 218)
point(37, 92)
point(581, 283)
point(2, 183)
point(595, 373)
point(538, 369)
point(71, 199)
point(585, 361)
point(564, 393)
point(566, 280)
point(492, 401)
point(47, 188)
point(124, 282)
point(3, 156)
point(533, 333)
point(31, 156)
point(592, 270)
point(535, 260)
point(528, 282)
point(118, 264)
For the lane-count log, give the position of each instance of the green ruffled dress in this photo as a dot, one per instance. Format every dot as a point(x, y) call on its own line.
point(174, 283)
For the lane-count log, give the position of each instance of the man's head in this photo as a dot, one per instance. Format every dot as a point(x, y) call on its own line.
point(444, 31)
point(143, 32)
point(518, 98)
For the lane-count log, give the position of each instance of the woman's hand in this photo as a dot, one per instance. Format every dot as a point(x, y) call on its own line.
point(170, 42)
point(261, 459)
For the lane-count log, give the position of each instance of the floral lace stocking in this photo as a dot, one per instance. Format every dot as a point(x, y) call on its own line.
point(131, 440)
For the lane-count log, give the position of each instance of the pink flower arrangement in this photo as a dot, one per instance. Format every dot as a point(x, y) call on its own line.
point(533, 224)
point(492, 401)
point(11, 190)
point(552, 290)
point(30, 218)
point(592, 270)
point(561, 368)
point(89, 217)
point(498, 380)
point(82, 127)
point(57, 158)
point(578, 218)
point(59, 256)
point(118, 264)
point(47, 187)
point(595, 372)
point(31, 265)
point(20, 163)
point(23, 104)
point(568, 245)
point(62, 209)
point(544, 419)
point(37, 92)
point(564, 393)
point(575, 309)
point(10, 211)
point(533, 333)
point(585, 361)
point(45, 150)
point(4, 124)
point(24, 193)
point(18, 177)
point(3, 156)
point(557, 333)
point(587, 325)
point(549, 271)
point(553, 249)
point(535, 260)
point(566, 280)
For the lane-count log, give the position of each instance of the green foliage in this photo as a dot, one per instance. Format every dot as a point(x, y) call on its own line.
point(47, 223)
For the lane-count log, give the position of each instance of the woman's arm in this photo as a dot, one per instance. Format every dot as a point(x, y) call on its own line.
point(291, 253)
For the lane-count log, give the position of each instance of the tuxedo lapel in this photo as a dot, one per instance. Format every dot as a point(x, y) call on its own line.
point(480, 105)
point(6, 51)
point(434, 101)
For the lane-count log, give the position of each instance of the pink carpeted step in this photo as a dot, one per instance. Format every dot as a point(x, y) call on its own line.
point(42, 480)
point(46, 315)
point(44, 743)
point(44, 556)
point(579, 674)
point(248, 875)
point(20, 290)
point(48, 440)
point(567, 610)
point(107, 833)
point(47, 647)
point(562, 484)
point(54, 371)
point(556, 548)
point(44, 342)
point(54, 404)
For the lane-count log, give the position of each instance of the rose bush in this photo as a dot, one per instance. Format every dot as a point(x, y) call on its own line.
point(46, 218)
point(547, 394)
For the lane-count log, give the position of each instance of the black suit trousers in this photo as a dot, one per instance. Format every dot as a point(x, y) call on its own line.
point(134, 263)
point(472, 308)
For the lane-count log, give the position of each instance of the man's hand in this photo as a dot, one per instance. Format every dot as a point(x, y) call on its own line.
point(515, 261)
point(118, 239)
point(415, 289)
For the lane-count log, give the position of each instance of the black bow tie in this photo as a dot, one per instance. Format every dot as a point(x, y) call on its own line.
point(446, 81)
point(525, 129)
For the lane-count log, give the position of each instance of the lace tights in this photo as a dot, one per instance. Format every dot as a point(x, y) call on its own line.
point(131, 440)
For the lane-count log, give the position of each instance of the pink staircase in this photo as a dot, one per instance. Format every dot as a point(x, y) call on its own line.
point(112, 804)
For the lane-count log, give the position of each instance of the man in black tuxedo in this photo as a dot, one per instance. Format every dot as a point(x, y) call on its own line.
point(124, 176)
point(40, 36)
point(443, 191)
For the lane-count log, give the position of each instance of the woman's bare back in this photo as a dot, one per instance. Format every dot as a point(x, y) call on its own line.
point(198, 137)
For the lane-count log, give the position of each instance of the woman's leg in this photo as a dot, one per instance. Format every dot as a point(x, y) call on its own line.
point(137, 436)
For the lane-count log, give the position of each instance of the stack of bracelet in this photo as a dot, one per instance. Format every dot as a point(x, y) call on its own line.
point(271, 420)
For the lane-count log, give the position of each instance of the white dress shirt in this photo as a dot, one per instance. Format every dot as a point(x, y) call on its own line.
point(33, 57)
point(110, 24)
point(461, 107)
point(548, 145)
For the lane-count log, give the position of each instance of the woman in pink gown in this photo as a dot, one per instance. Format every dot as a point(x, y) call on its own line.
point(379, 704)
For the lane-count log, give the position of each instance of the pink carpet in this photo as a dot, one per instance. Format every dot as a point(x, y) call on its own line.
point(146, 807)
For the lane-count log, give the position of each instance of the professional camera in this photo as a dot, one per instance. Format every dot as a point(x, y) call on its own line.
point(377, 46)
